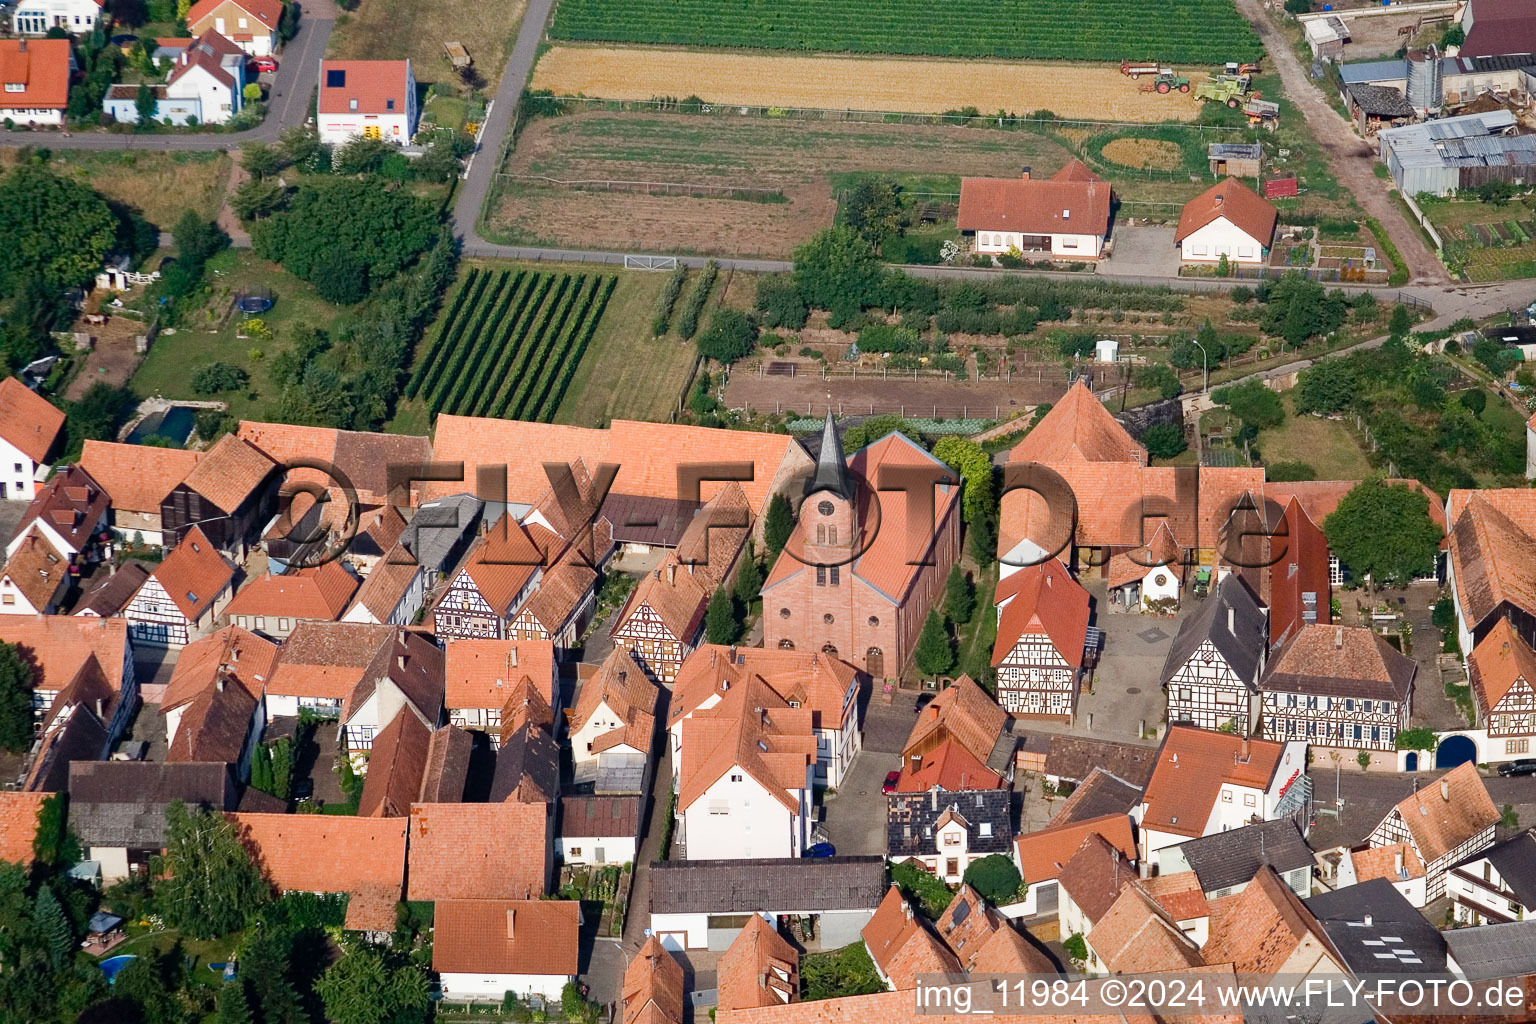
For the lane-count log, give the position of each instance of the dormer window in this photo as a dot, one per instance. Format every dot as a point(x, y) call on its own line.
point(389, 104)
point(15, 86)
point(352, 104)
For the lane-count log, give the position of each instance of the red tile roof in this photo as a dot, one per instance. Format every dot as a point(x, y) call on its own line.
point(1500, 27)
point(320, 593)
point(1078, 427)
point(42, 65)
point(268, 12)
point(18, 825)
point(396, 764)
point(949, 766)
point(1382, 862)
point(964, 712)
point(332, 853)
point(1094, 876)
point(363, 457)
point(58, 645)
point(813, 680)
point(1192, 766)
point(232, 654)
point(38, 570)
point(759, 969)
point(1042, 600)
point(1179, 894)
point(1042, 854)
point(378, 86)
point(137, 477)
point(484, 673)
point(1248, 211)
point(1341, 661)
point(1136, 936)
point(902, 947)
point(506, 937)
point(194, 574)
point(1070, 202)
point(1493, 557)
point(1443, 815)
point(1261, 927)
point(326, 659)
point(492, 851)
point(1497, 664)
point(901, 1008)
point(751, 728)
point(230, 471)
point(72, 505)
point(654, 981)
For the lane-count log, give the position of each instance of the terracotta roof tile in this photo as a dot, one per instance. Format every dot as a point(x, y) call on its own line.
point(387, 583)
point(1042, 855)
point(949, 766)
point(396, 765)
point(1078, 427)
point(1382, 862)
point(1041, 600)
point(759, 968)
point(364, 457)
point(326, 659)
point(447, 770)
point(902, 947)
point(966, 924)
point(1497, 664)
point(364, 857)
point(1192, 766)
point(412, 663)
point(653, 979)
point(376, 86)
point(230, 472)
point(484, 673)
point(44, 69)
point(72, 504)
point(1348, 661)
point(1179, 894)
point(57, 646)
point(461, 851)
point(1493, 561)
point(599, 817)
point(319, 593)
point(1101, 792)
point(1068, 203)
point(1257, 930)
point(527, 767)
point(194, 574)
point(1136, 936)
point(214, 726)
point(18, 825)
point(38, 570)
point(492, 936)
point(501, 564)
point(1094, 875)
point(812, 679)
point(1161, 552)
point(754, 729)
point(1442, 816)
point(109, 593)
point(1008, 952)
point(901, 1008)
point(267, 11)
point(562, 589)
point(232, 654)
point(525, 705)
point(965, 712)
point(1250, 212)
point(620, 684)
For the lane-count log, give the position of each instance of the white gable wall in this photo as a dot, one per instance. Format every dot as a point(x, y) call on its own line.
point(1221, 238)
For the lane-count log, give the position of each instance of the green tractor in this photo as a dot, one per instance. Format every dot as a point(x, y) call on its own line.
point(1165, 82)
point(1228, 89)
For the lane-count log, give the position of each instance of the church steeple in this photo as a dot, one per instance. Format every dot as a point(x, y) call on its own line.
point(831, 469)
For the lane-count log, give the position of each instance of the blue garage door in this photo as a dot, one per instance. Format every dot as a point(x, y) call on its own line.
point(1455, 750)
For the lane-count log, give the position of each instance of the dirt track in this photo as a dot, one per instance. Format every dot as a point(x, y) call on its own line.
point(1353, 160)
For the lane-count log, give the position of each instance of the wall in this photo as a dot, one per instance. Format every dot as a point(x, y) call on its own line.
point(755, 823)
point(1222, 238)
point(1137, 420)
point(494, 986)
point(615, 850)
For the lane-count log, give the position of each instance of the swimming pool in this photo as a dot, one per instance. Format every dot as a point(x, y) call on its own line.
point(175, 425)
point(112, 964)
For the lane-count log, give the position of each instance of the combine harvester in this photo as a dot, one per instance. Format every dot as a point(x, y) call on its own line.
point(1228, 89)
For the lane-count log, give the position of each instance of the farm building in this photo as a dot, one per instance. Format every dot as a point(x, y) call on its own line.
point(1443, 156)
point(375, 99)
point(1457, 80)
point(1065, 216)
point(1327, 36)
point(1235, 159)
point(1228, 219)
point(1373, 106)
point(1497, 27)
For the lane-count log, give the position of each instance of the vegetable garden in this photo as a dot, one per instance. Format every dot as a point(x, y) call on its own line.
point(509, 343)
point(1191, 31)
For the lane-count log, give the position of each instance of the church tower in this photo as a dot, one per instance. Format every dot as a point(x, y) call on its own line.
point(828, 520)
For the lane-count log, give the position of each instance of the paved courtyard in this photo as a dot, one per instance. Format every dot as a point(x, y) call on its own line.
point(1142, 251)
point(1127, 695)
point(855, 813)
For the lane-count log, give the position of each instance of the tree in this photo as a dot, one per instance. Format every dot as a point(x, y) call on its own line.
point(261, 159)
point(731, 336)
point(1384, 531)
point(1444, 614)
point(369, 986)
point(1454, 36)
point(343, 280)
point(15, 699)
point(1328, 386)
point(298, 144)
point(1161, 379)
point(959, 595)
point(1421, 738)
point(1496, 193)
point(146, 104)
point(97, 414)
point(1401, 322)
point(778, 302)
point(48, 917)
point(995, 878)
point(749, 578)
point(1475, 401)
point(1164, 440)
point(1076, 947)
point(54, 845)
point(360, 156)
point(216, 377)
point(978, 500)
point(778, 524)
point(150, 983)
point(251, 93)
point(872, 207)
point(1299, 309)
point(935, 649)
point(837, 271)
point(1287, 472)
point(198, 239)
point(233, 1006)
point(54, 227)
point(1253, 403)
point(211, 888)
point(720, 625)
point(255, 198)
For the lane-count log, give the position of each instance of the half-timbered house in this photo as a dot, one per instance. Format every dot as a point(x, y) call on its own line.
point(483, 674)
point(1338, 686)
point(1445, 822)
point(492, 585)
point(405, 677)
point(1503, 676)
point(1042, 633)
point(1491, 569)
point(662, 621)
point(1211, 673)
point(229, 496)
point(183, 596)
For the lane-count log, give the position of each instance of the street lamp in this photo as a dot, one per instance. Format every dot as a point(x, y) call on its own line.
point(1205, 365)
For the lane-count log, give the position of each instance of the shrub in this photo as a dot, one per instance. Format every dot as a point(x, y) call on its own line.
point(216, 377)
point(731, 336)
point(1164, 440)
point(1289, 472)
point(688, 324)
point(994, 877)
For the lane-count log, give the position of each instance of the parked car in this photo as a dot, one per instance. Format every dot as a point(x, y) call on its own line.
point(891, 779)
point(1524, 766)
point(821, 850)
point(260, 64)
point(923, 700)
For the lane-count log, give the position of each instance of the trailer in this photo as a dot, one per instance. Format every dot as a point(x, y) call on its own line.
point(1138, 68)
point(1262, 112)
point(1235, 68)
point(458, 55)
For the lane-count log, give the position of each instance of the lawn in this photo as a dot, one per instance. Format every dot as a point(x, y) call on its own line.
point(1328, 446)
point(167, 369)
point(397, 29)
point(159, 185)
point(201, 952)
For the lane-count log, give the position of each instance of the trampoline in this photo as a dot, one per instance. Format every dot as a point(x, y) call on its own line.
point(254, 302)
point(112, 965)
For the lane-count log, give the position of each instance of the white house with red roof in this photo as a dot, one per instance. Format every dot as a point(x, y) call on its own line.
point(1065, 216)
point(29, 423)
point(1228, 219)
point(252, 25)
point(36, 17)
point(1042, 633)
point(374, 99)
point(212, 72)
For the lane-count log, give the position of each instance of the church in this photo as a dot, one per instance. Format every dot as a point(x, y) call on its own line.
point(857, 579)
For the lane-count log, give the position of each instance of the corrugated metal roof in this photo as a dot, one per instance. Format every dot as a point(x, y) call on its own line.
point(1235, 150)
point(1371, 71)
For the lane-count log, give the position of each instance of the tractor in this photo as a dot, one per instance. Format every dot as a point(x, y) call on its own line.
point(1228, 89)
point(1166, 82)
point(1262, 112)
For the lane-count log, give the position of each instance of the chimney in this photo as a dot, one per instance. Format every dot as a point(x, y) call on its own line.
point(1445, 791)
point(400, 661)
point(671, 574)
point(1338, 638)
point(762, 717)
point(1024, 174)
point(933, 799)
point(99, 708)
point(513, 657)
point(1397, 862)
point(511, 920)
point(1219, 198)
point(21, 47)
point(1175, 758)
point(1047, 580)
point(1367, 921)
point(218, 683)
point(1246, 751)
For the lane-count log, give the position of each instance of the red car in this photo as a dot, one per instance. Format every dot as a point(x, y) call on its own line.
point(261, 64)
point(889, 785)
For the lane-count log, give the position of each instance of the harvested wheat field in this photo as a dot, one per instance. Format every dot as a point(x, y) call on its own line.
point(909, 85)
point(1156, 153)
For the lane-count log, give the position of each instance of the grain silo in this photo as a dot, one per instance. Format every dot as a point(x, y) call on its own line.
point(1426, 92)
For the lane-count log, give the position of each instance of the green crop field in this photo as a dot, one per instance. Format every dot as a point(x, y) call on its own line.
point(509, 342)
point(1189, 31)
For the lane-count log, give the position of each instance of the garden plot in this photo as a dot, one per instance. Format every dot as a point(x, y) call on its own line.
point(1487, 242)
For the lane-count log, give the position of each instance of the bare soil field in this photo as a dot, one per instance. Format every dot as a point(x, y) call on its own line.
point(791, 157)
point(912, 85)
point(1155, 153)
point(1376, 36)
point(808, 395)
point(396, 29)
